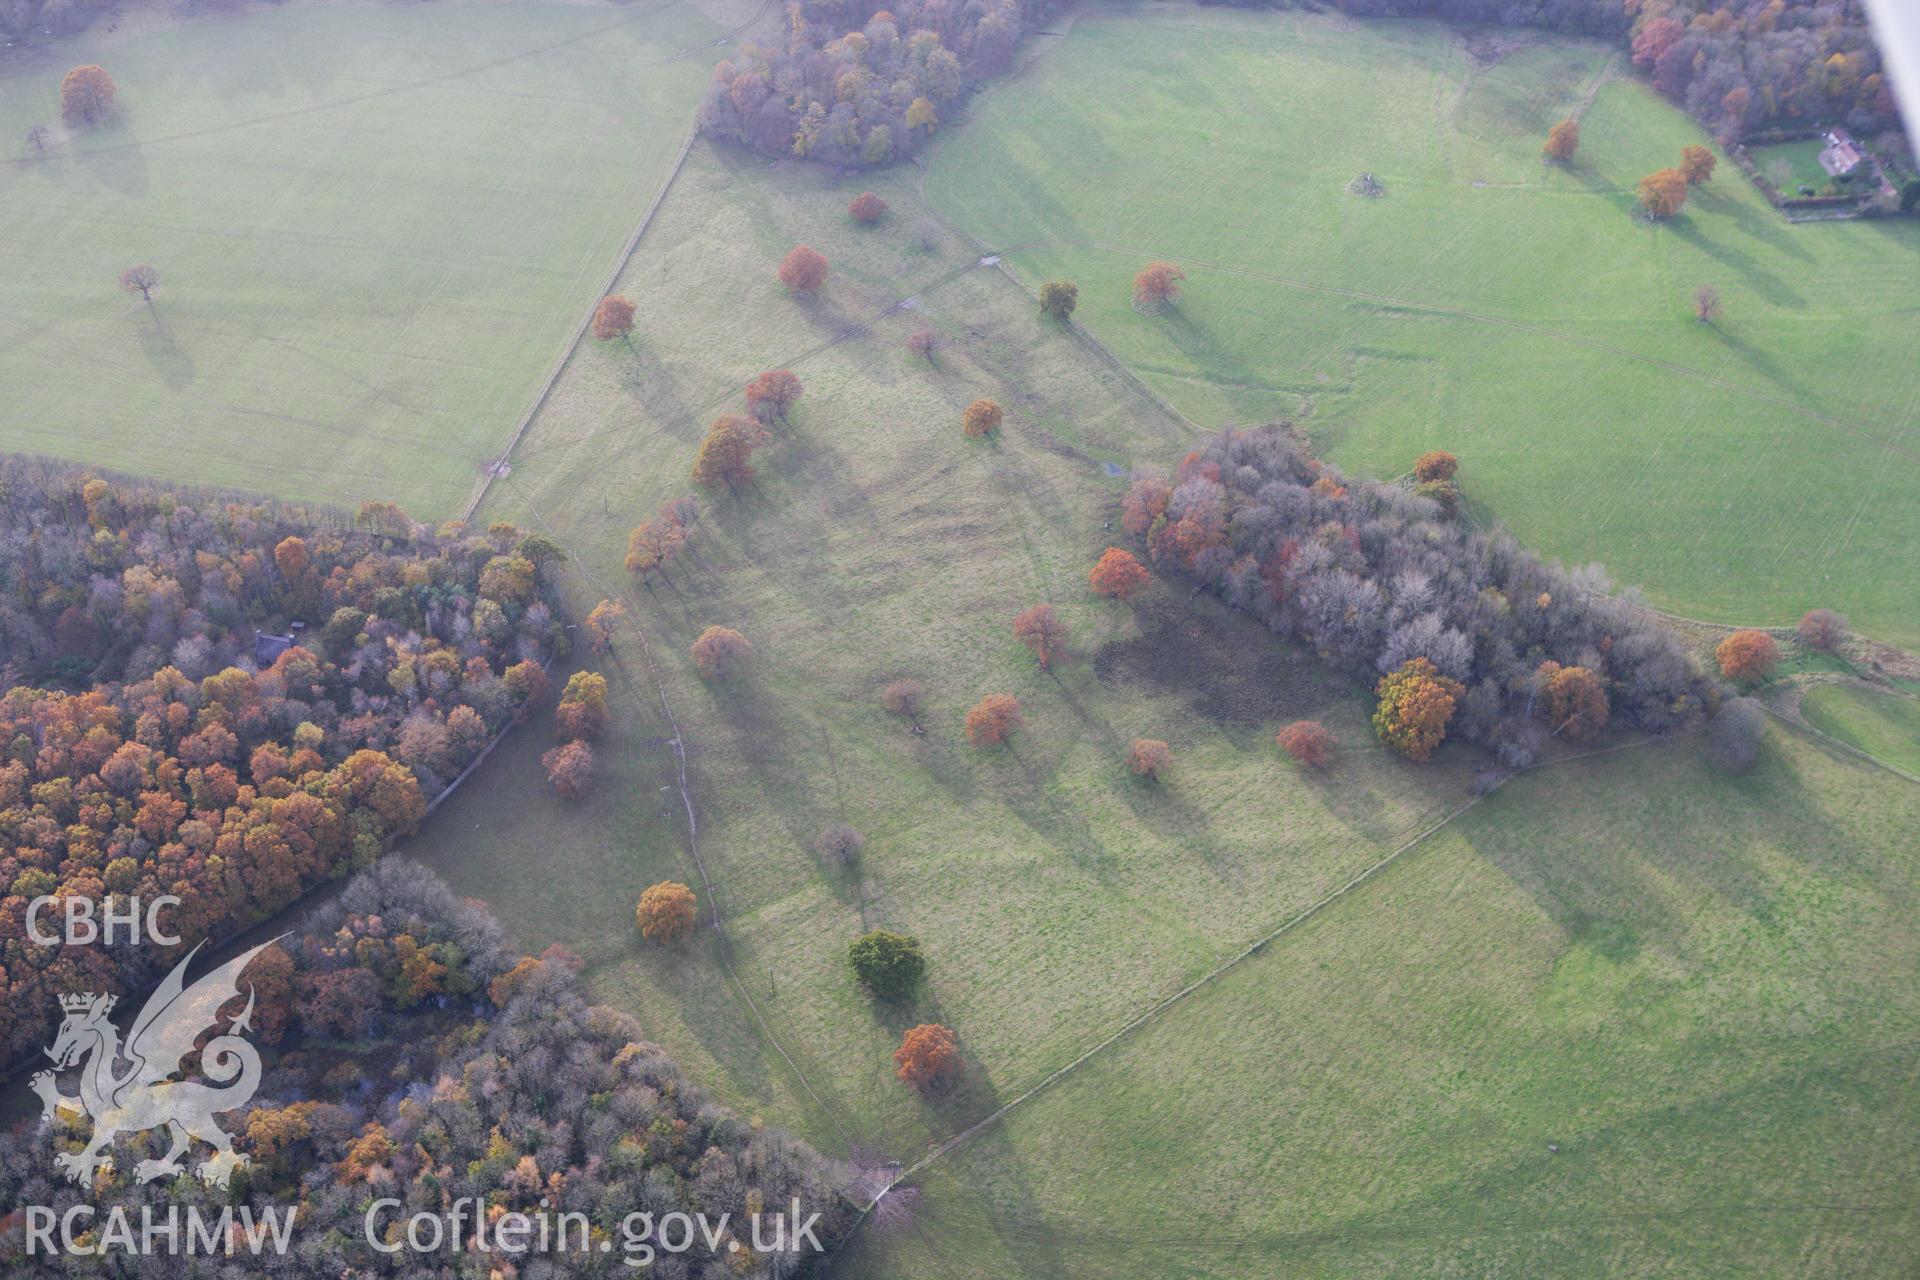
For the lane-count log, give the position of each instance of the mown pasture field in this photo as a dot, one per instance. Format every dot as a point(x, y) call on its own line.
point(1512, 313)
point(375, 226)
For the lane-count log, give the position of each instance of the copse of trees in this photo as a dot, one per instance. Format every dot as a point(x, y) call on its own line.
point(86, 96)
point(864, 84)
point(560, 1107)
point(1372, 578)
point(657, 542)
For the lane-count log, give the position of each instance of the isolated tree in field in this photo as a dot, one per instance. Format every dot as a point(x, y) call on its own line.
point(867, 209)
point(720, 652)
point(1058, 298)
point(1416, 702)
point(1696, 164)
point(906, 699)
point(37, 137)
point(570, 769)
point(840, 844)
point(982, 418)
point(1157, 286)
point(1822, 629)
point(1117, 575)
point(86, 96)
point(993, 719)
point(928, 1057)
point(142, 280)
point(1706, 304)
point(1747, 655)
point(773, 395)
point(613, 318)
point(1435, 465)
point(889, 963)
point(601, 623)
point(921, 343)
point(803, 271)
point(582, 711)
point(653, 545)
point(1664, 193)
point(1576, 701)
point(666, 912)
point(726, 455)
point(1149, 757)
point(1562, 141)
point(1041, 630)
point(1307, 741)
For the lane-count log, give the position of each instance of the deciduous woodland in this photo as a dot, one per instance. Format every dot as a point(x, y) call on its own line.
point(1375, 578)
point(412, 1052)
point(188, 736)
point(868, 81)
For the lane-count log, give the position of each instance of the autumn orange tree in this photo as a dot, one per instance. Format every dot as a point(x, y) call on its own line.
point(613, 318)
point(720, 652)
point(1148, 757)
point(803, 271)
point(993, 719)
point(1562, 141)
point(867, 209)
point(1696, 164)
point(773, 394)
point(655, 543)
point(86, 96)
point(600, 623)
point(1118, 574)
point(1307, 741)
point(1416, 702)
point(665, 913)
point(928, 1056)
point(1576, 701)
point(1157, 286)
point(582, 711)
point(726, 455)
point(982, 418)
point(1041, 630)
point(1747, 655)
point(570, 768)
point(1663, 193)
point(1437, 464)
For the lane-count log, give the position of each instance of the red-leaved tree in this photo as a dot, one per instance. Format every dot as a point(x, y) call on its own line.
point(803, 271)
point(928, 1057)
point(1117, 575)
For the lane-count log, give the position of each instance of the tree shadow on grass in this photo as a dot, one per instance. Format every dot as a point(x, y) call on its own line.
point(1762, 281)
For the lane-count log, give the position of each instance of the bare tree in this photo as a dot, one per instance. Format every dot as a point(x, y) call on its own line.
point(1706, 304)
point(37, 137)
point(142, 280)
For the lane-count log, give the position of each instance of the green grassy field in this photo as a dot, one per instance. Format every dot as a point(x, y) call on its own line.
point(1689, 981)
point(1515, 315)
point(1884, 725)
point(375, 227)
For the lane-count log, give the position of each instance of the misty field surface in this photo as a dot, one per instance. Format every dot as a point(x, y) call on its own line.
point(1514, 314)
point(375, 227)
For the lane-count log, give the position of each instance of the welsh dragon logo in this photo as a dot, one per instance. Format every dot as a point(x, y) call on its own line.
point(140, 1095)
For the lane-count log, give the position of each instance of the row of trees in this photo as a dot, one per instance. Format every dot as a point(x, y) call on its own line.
point(544, 1104)
point(859, 81)
point(1471, 635)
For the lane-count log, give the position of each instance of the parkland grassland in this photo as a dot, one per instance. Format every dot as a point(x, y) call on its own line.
point(1626, 1014)
point(1512, 313)
point(374, 226)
